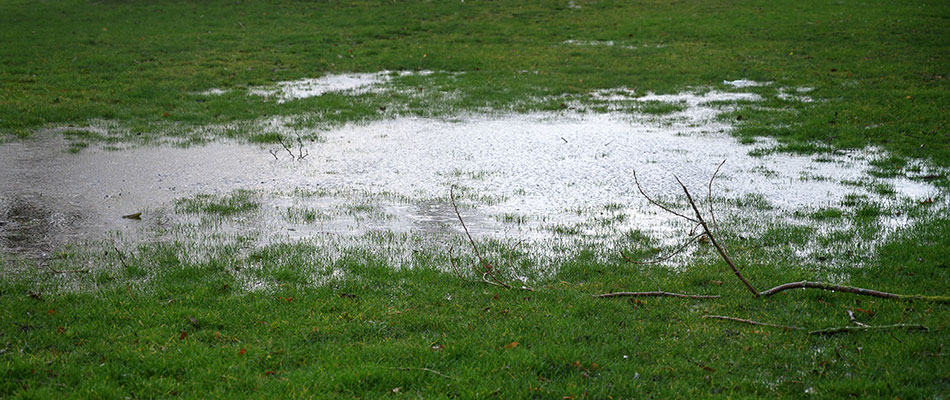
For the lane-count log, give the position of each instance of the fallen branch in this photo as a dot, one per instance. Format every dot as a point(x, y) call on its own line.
point(827, 331)
point(847, 329)
point(751, 322)
point(850, 289)
point(658, 293)
point(708, 233)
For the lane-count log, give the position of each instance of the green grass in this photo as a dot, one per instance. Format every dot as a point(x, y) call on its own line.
point(240, 201)
point(236, 319)
point(877, 68)
point(160, 323)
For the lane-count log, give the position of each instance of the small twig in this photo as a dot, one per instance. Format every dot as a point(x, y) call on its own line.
point(852, 290)
point(121, 256)
point(300, 150)
point(289, 151)
point(658, 293)
point(273, 153)
point(66, 271)
point(854, 320)
point(654, 202)
point(455, 267)
point(488, 270)
point(846, 329)
point(712, 214)
point(423, 369)
point(751, 322)
point(465, 228)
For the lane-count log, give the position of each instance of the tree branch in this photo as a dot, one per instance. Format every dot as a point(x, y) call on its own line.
point(852, 290)
point(658, 293)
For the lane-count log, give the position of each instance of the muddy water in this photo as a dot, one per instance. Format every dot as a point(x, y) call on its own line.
point(517, 176)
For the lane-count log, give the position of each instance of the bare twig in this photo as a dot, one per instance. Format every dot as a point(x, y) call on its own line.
point(751, 322)
point(121, 256)
point(65, 271)
point(273, 153)
point(423, 369)
point(658, 293)
point(855, 320)
point(287, 148)
point(712, 239)
point(712, 213)
point(851, 289)
point(654, 202)
point(488, 271)
point(300, 150)
point(455, 267)
point(847, 329)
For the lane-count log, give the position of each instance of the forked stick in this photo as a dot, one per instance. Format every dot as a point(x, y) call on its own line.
point(715, 243)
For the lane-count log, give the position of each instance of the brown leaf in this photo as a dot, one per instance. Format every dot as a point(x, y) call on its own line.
point(183, 335)
point(511, 345)
point(242, 352)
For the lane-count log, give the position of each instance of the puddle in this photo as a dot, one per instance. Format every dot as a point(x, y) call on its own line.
point(553, 179)
point(744, 83)
point(356, 83)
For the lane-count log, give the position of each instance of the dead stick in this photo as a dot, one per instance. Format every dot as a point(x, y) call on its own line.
point(715, 243)
point(658, 293)
point(846, 329)
point(751, 322)
point(852, 290)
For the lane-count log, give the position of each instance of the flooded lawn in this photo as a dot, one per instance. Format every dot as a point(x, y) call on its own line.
point(556, 180)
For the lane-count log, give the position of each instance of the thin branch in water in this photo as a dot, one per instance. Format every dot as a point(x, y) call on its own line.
point(488, 270)
point(658, 293)
point(300, 150)
point(654, 202)
point(712, 214)
point(751, 322)
point(287, 148)
point(121, 256)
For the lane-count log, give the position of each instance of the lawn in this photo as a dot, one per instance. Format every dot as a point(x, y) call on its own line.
point(218, 313)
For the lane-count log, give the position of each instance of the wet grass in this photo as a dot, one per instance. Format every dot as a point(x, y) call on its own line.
point(358, 327)
point(876, 69)
point(239, 202)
